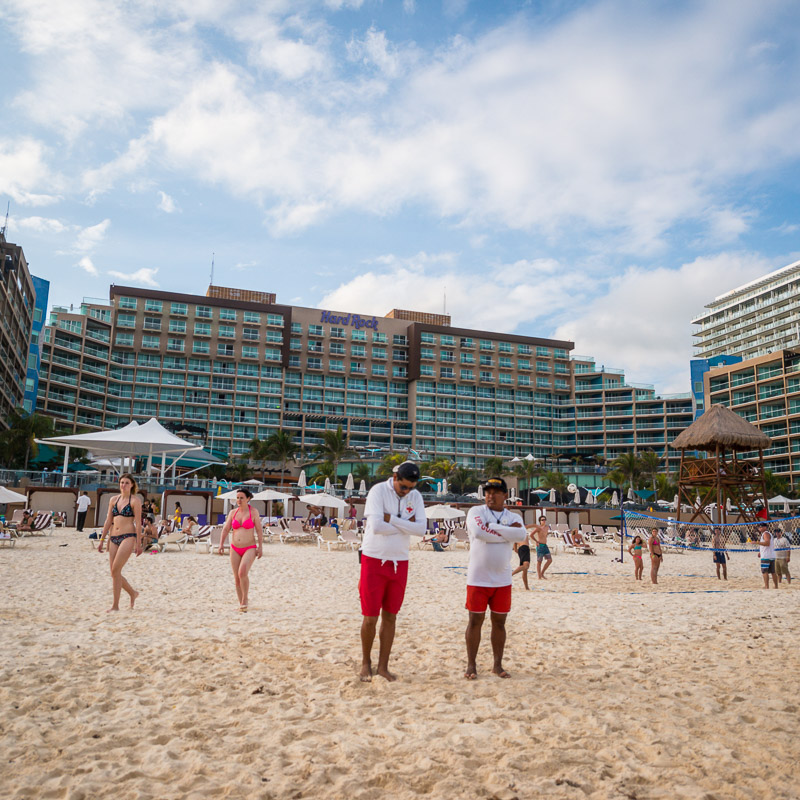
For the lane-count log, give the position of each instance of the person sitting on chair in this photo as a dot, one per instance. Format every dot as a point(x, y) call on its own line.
point(579, 541)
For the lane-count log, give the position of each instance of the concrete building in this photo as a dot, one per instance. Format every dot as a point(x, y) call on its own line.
point(761, 317)
point(17, 301)
point(42, 289)
point(765, 391)
point(697, 370)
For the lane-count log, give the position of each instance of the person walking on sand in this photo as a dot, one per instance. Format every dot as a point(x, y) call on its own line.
point(82, 504)
point(635, 549)
point(124, 524)
point(539, 535)
point(492, 530)
point(766, 548)
point(523, 551)
point(720, 556)
point(783, 554)
point(245, 525)
point(393, 512)
point(656, 556)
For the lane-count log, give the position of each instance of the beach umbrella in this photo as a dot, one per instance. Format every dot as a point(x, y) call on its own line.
point(445, 487)
point(552, 496)
point(323, 500)
point(615, 499)
point(362, 488)
point(630, 493)
point(442, 511)
point(269, 495)
point(327, 485)
point(590, 498)
point(349, 484)
point(439, 491)
point(480, 492)
point(252, 482)
point(10, 498)
point(301, 480)
point(728, 505)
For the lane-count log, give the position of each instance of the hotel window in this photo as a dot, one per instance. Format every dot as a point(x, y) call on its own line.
point(315, 347)
point(399, 372)
point(151, 342)
point(357, 368)
point(228, 314)
point(272, 354)
point(543, 352)
point(337, 348)
point(379, 352)
point(203, 312)
point(249, 351)
point(175, 345)
point(400, 339)
point(152, 323)
point(523, 380)
point(358, 336)
point(486, 376)
point(486, 344)
point(505, 362)
point(524, 349)
point(467, 341)
point(124, 339)
point(542, 383)
point(295, 344)
point(427, 370)
point(250, 334)
point(272, 319)
point(379, 338)
point(399, 355)
point(252, 317)
point(358, 351)
point(199, 365)
point(447, 372)
point(201, 347)
point(315, 330)
point(467, 375)
point(506, 378)
point(153, 305)
point(445, 340)
point(523, 363)
point(177, 326)
point(426, 352)
point(427, 338)
point(379, 369)
point(179, 309)
point(294, 361)
point(447, 355)
point(297, 328)
point(504, 347)
point(487, 361)
point(560, 353)
point(468, 358)
point(337, 333)
point(224, 349)
point(126, 320)
point(227, 331)
point(128, 303)
point(274, 337)
point(336, 365)
point(543, 366)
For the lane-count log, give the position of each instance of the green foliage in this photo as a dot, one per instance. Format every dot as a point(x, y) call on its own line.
point(17, 444)
point(628, 466)
point(388, 463)
point(325, 469)
point(650, 466)
point(441, 468)
point(463, 480)
point(495, 467)
point(335, 447)
point(775, 484)
point(361, 472)
point(551, 479)
point(528, 471)
point(239, 470)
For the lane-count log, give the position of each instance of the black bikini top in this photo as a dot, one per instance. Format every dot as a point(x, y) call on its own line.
point(127, 511)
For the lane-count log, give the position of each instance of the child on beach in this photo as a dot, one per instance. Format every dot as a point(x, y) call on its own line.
point(635, 549)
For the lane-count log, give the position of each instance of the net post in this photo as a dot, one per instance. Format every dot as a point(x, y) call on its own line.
point(622, 535)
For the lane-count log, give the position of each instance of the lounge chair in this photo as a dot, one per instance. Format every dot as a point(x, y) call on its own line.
point(350, 538)
point(459, 536)
point(200, 535)
point(43, 523)
point(178, 538)
point(8, 537)
point(327, 535)
point(295, 532)
point(212, 543)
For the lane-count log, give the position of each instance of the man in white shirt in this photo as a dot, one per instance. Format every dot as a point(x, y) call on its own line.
point(783, 553)
point(492, 529)
point(82, 504)
point(394, 511)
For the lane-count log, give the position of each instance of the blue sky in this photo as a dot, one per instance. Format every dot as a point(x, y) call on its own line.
point(592, 171)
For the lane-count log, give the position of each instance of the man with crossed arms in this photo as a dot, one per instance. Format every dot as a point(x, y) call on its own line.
point(492, 529)
point(394, 511)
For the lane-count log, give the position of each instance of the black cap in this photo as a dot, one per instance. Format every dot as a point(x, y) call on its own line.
point(408, 471)
point(495, 483)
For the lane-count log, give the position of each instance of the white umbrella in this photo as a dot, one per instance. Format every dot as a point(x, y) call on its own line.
point(480, 492)
point(530, 457)
point(323, 500)
point(269, 495)
point(445, 488)
point(439, 491)
point(443, 512)
point(615, 499)
point(515, 460)
point(590, 498)
point(252, 482)
point(362, 488)
point(728, 505)
point(630, 493)
point(327, 485)
point(675, 501)
point(349, 484)
point(301, 480)
point(553, 496)
point(9, 498)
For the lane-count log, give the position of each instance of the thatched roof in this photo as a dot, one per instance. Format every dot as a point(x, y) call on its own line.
point(721, 426)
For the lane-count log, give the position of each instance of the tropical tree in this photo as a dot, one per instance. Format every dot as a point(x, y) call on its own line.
point(258, 453)
point(335, 447)
point(494, 467)
point(628, 467)
point(281, 446)
point(666, 489)
point(462, 479)
point(527, 471)
point(18, 443)
point(552, 479)
point(441, 468)
point(361, 472)
point(324, 470)
point(650, 466)
point(239, 470)
point(387, 465)
point(775, 484)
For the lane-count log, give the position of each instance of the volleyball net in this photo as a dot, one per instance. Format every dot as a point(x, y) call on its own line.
point(714, 537)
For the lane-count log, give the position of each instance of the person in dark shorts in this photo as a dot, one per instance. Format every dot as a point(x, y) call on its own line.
point(538, 534)
point(524, 552)
point(720, 557)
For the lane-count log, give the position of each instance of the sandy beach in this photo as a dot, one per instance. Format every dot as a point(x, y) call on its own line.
point(618, 690)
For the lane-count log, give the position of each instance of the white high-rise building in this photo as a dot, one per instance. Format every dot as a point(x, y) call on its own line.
point(752, 320)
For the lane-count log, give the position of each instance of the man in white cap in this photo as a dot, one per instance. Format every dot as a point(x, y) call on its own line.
point(492, 529)
point(394, 511)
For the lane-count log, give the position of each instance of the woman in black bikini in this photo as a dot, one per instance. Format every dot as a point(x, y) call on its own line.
point(125, 520)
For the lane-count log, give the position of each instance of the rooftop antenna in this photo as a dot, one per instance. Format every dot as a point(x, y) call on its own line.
point(211, 283)
point(5, 226)
point(444, 302)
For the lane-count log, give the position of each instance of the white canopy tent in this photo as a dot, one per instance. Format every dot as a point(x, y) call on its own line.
point(149, 439)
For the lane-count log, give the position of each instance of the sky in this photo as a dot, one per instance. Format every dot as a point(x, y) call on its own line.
point(589, 171)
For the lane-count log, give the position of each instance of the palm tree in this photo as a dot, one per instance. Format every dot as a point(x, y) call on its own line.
point(442, 468)
point(361, 472)
point(258, 452)
point(324, 470)
point(527, 471)
point(335, 447)
point(665, 488)
point(650, 466)
point(462, 479)
point(494, 467)
point(628, 466)
point(387, 465)
point(239, 470)
point(18, 443)
point(551, 479)
point(280, 446)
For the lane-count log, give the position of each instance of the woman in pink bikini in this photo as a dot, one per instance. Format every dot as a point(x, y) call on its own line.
point(245, 524)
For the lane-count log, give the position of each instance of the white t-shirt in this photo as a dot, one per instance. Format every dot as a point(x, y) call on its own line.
point(491, 545)
point(389, 541)
point(781, 545)
point(83, 502)
point(768, 551)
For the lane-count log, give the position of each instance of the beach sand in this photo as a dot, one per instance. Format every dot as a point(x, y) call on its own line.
point(618, 690)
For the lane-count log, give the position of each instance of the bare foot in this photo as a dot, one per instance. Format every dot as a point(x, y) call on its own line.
point(471, 673)
point(500, 672)
point(133, 597)
point(113, 608)
point(365, 676)
point(243, 607)
point(384, 673)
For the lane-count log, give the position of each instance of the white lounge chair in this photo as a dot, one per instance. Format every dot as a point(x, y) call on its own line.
point(178, 538)
point(458, 537)
point(327, 535)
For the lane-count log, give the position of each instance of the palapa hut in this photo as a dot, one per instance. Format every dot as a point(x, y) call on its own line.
point(721, 476)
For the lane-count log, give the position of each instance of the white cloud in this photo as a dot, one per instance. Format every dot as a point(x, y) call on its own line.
point(89, 238)
point(87, 265)
point(641, 322)
point(499, 298)
point(143, 277)
point(24, 173)
point(41, 225)
point(166, 203)
point(375, 50)
point(409, 6)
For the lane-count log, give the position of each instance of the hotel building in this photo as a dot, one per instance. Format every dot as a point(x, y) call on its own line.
point(17, 300)
point(761, 317)
point(231, 365)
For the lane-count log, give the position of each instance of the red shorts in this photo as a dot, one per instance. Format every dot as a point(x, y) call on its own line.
point(382, 586)
point(498, 598)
